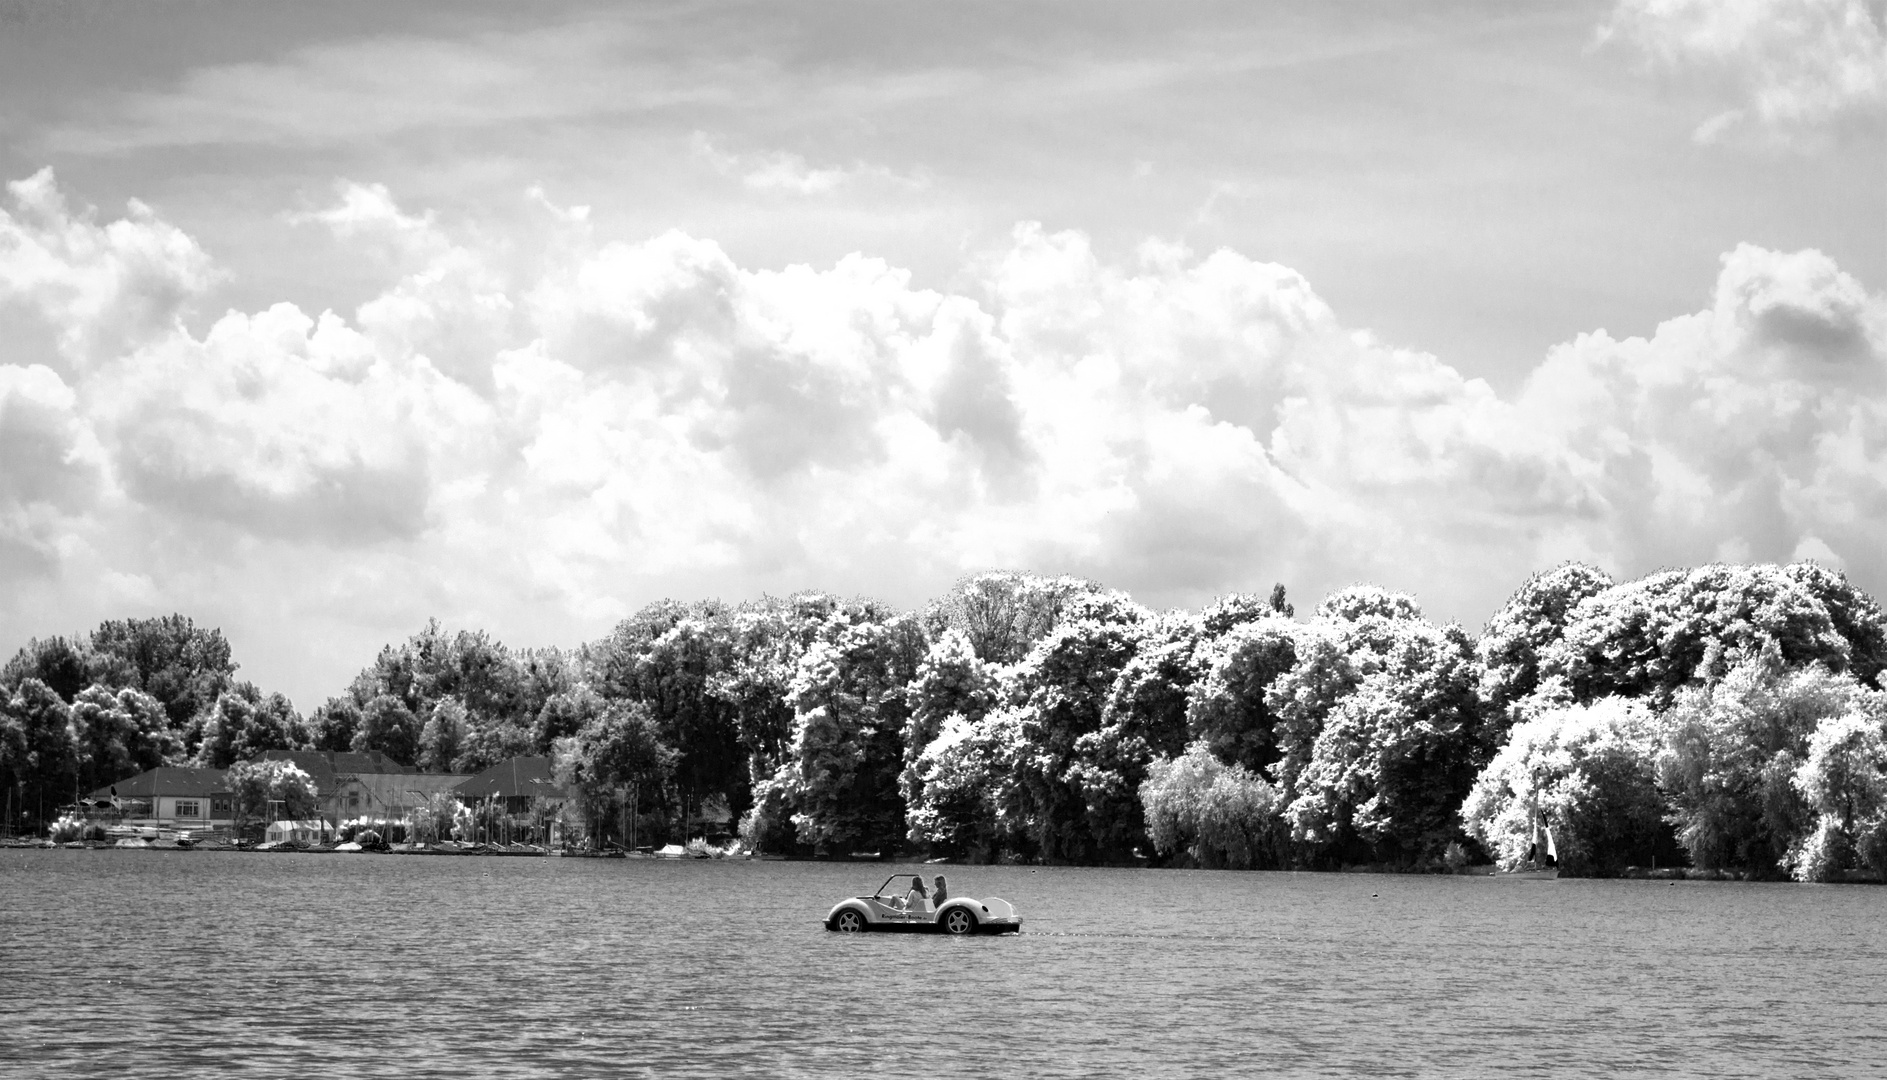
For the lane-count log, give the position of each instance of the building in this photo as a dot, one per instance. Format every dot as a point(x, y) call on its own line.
point(386, 796)
point(520, 781)
point(173, 796)
point(356, 784)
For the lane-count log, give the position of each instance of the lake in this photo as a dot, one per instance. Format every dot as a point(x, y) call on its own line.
point(159, 964)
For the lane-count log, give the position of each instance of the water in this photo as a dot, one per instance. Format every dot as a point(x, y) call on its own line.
point(156, 964)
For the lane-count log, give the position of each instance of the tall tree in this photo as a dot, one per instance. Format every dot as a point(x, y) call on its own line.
point(182, 665)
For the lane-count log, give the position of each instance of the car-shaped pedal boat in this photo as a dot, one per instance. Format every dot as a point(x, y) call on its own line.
point(899, 904)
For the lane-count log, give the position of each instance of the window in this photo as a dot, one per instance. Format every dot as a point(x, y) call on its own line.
point(189, 808)
point(221, 806)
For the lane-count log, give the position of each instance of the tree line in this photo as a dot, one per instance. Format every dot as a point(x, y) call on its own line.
point(1728, 716)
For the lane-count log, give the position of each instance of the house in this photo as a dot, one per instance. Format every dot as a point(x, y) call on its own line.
point(174, 796)
point(352, 784)
point(522, 789)
point(386, 796)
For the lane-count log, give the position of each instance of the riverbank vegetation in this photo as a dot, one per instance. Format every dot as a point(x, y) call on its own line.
point(1730, 717)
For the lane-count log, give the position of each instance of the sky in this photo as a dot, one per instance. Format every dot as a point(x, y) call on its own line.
point(319, 321)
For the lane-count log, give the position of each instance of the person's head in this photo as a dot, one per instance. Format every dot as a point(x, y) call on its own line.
point(940, 881)
point(917, 883)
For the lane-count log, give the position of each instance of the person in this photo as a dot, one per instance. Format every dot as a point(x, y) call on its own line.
point(916, 895)
point(942, 894)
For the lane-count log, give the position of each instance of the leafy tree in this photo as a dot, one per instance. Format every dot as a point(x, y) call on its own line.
point(1365, 601)
point(1586, 775)
point(387, 725)
point(244, 723)
point(1654, 636)
point(334, 725)
point(1377, 729)
point(563, 715)
point(61, 665)
point(487, 745)
point(1532, 621)
point(960, 774)
point(1843, 779)
point(617, 751)
point(1222, 816)
point(442, 739)
point(1855, 615)
point(102, 738)
point(46, 762)
point(1058, 694)
point(1730, 751)
point(1144, 719)
point(1004, 614)
point(265, 789)
point(951, 682)
point(1227, 707)
point(850, 714)
point(182, 665)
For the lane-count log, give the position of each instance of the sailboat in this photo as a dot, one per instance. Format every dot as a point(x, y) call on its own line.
point(1536, 867)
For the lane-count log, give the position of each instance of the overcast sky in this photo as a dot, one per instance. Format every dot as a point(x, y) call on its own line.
point(317, 321)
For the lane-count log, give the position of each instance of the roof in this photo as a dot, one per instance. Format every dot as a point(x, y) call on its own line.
point(167, 780)
point(386, 791)
point(529, 775)
point(323, 766)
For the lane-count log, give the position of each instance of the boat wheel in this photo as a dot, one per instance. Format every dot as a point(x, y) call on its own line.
point(959, 921)
point(849, 922)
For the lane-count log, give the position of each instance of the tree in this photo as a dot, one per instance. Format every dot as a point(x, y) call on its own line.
point(59, 664)
point(1227, 708)
point(102, 738)
point(183, 666)
point(47, 763)
point(1584, 774)
point(1058, 694)
point(1654, 636)
point(1144, 719)
point(1222, 816)
point(950, 683)
point(850, 713)
point(1855, 615)
point(1004, 614)
point(1531, 622)
point(1377, 731)
point(563, 715)
point(244, 723)
point(616, 756)
point(387, 725)
point(442, 739)
point(1728, 757)
point(334, 724)
point(1843, 779)
point(276, 790)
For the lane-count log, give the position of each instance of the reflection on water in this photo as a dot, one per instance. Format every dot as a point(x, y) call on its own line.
point(147, 964)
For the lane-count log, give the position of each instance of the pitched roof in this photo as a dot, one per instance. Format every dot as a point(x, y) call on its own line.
point(529, 775)
point(323, 766)
point(167, 780)
point(398, 791)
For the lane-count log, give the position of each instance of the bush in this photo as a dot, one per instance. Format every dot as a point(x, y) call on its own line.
point(1223, 816)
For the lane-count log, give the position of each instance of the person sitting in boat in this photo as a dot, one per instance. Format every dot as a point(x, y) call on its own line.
point(916, 897)
point(940, 894)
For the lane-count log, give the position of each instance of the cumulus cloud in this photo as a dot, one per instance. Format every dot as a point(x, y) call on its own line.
point(1796, 67)
point(626, 420)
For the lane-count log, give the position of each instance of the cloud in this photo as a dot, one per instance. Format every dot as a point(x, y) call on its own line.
point(556, 442)
point(1798, 67)
point(787, 172)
